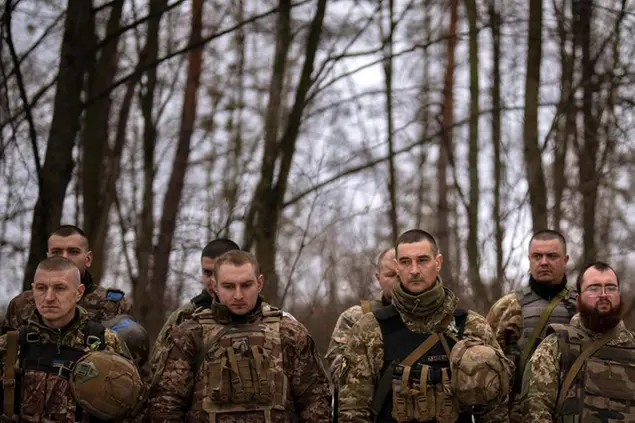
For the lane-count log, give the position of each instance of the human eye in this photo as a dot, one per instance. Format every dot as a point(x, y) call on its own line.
point(594, 289)
point(612, 289)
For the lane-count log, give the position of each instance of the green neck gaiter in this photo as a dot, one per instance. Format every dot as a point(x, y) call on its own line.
point(424, 304)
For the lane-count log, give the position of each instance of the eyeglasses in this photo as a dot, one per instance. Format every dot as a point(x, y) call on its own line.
point(599, 289)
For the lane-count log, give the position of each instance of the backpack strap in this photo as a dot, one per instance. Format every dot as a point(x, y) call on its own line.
point(9, 384)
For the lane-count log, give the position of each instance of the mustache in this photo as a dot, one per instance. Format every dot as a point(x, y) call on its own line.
point(416, 280)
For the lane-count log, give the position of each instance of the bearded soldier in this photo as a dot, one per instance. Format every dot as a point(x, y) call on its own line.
point(38, 360)
point(385, 275)
point(241, 360)
point(100, 303)
point(583, 372)
point(519, 319)
point(421, 359)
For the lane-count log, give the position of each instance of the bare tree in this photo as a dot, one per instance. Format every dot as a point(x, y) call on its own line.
point(58, 162)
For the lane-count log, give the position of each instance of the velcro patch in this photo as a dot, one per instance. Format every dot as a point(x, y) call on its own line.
point(113, 295)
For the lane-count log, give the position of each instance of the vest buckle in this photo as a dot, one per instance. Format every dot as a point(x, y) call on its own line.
point(92, 339)
point(8, 383)
point(32, 337)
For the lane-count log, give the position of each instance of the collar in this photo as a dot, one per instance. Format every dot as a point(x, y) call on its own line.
point(547, 291)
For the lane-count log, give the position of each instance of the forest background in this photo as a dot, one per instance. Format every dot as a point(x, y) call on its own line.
point(313, 132)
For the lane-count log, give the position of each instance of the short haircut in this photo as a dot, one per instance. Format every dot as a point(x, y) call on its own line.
point(237, 258)
point(58, 263)
point(381, 256)
point(69, 230)
point(417, 235)
point(598, 265)
point(218, 247)
point(548, 235)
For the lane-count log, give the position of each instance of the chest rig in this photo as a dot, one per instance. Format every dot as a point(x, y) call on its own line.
point(417, 392)
point(34, 354)
point(242, 366)
point(603, 388)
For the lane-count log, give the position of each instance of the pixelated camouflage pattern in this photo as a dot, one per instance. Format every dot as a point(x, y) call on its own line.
point(95, 302)
point(163, 342)
point(542, 380)
point(180, 390)
point(363, 359)
point(339, 339)
point(46, 397)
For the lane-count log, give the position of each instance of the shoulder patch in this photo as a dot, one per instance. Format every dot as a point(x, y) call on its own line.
point(115, 295)
point(123, 324)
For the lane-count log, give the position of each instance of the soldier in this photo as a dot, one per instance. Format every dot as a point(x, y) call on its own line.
point(385, 275)
point(583, 372)
point(421, 359)
point(46, 352)
point(210, 253)
point(241, 360)
point(70, 242)
point(519, 319)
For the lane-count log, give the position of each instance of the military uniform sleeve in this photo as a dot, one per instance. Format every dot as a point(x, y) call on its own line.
point(125, 307)
point(506, 320)
point(477, 328)
point(10, 320)
point(161, 345)
point(338, 339)
point(171, 395)
point(358, 373)
point(541, 382)
point(309, 382)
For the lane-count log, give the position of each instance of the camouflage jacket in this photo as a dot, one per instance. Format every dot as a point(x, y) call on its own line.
point(541, 380)
point(100, 303)
point(178, 393)
point(364, 355)
point(47, 397)
point(162, 343)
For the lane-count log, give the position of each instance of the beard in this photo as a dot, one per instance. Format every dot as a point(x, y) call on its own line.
point(600, 321)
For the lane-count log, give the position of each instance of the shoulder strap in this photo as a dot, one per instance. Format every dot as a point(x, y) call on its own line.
point(460, 319)
point(366, 306)
point(9, 379)
point(94, 335)
point(544, 317)
point(524, 296)
point(578, 363)
point(385, 313)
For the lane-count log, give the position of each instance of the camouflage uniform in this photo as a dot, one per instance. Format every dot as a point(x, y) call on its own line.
point(162, 344)
point(46, 396)
point(364, 358)
point(100, 303)
point(508, 324)
point(180, 393)
point(342, 329)
point(543, 378)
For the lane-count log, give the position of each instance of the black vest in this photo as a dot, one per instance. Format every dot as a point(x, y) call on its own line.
point(399, 342)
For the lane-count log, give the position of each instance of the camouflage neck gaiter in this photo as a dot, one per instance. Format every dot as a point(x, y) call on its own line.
point(424, 304)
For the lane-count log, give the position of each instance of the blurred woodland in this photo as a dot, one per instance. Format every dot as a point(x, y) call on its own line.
point(313, 132)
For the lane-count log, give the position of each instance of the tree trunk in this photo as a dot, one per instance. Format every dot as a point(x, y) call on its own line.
point(532, 154)
point(161, 253)
point(474, 275)
point(58, 165)
point(425, 117)
point(145, 229)
point(499, 230)
point(589, 175)
point(269, 199)
point(97, 160)
point(445, 149)
point(387, 41)
point(566, 123)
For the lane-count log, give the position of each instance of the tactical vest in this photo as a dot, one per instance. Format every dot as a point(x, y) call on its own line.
point(33, 355)
point(418, 393)
point(604, 388)
point(242, 366)
point(532, 306)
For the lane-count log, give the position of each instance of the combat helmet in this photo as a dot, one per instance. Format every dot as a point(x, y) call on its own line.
point(107, 385)
point(480, 373)
point(133, 334)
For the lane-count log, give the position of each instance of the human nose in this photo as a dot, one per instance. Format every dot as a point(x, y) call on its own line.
point(50, 295)
point(238, 295)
